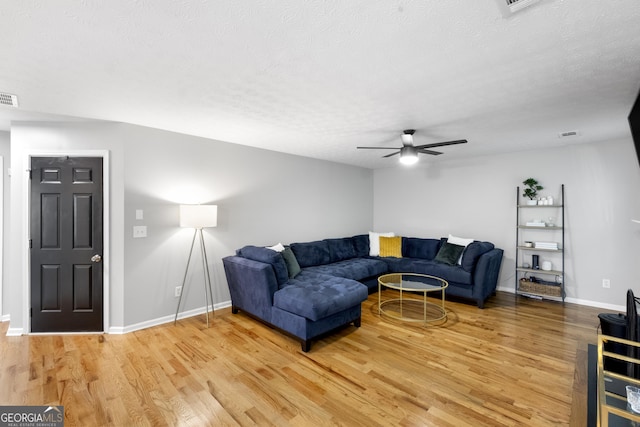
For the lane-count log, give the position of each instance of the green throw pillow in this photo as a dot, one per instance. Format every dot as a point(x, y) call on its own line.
point(291, 261)
point(448, 253)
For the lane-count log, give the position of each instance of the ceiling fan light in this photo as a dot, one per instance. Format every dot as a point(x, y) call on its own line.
point(408, 155)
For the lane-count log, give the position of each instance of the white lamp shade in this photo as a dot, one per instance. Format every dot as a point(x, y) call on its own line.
point(198, 216)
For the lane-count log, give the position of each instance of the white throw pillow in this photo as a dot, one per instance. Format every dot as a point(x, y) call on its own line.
point(374, 242)
point(460, 241)
point(278, 248)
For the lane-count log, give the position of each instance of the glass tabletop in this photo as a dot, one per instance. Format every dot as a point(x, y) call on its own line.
point(413, 282)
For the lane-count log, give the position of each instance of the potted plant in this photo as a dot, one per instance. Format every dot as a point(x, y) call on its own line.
point(531, 190)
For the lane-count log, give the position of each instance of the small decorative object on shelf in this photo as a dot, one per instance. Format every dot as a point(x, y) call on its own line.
point(532, 190)
point(536, 239)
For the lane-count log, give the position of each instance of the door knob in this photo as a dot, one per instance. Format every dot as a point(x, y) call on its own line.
point(96, 258)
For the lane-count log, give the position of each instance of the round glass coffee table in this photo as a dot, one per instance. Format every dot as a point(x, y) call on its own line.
point(405, 307)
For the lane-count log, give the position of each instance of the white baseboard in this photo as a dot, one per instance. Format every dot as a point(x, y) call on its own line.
point(613, 307)
point(16, 332)
point(12, 332)
point(164, 319)
point(578, 301)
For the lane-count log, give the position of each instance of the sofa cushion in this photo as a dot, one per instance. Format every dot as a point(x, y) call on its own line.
point(292, 263)
point(318, 297)
point(355, 268)
point(311, 253)
point(361, 245)
point(391, 246)
point(451, 273)
point(413, 247)
point(449, 253)
point(341, 249)
point(269, 256)
point(400, 265)
point(473, 252)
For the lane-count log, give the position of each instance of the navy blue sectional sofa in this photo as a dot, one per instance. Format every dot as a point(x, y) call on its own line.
point(312, 288)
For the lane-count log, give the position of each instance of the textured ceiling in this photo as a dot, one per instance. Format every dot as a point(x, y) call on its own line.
point(318, 78)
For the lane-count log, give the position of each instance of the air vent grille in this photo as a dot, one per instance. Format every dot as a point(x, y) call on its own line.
point(515, 5)
point(8, 99)
point(568, 134)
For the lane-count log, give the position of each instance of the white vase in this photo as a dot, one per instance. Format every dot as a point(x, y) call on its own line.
point(532, 202)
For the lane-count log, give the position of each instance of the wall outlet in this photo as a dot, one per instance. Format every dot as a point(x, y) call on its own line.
point(178, 291)
point(139, 231)
point(606, 283)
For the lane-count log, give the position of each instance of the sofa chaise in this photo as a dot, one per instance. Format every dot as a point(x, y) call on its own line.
point(309, 289)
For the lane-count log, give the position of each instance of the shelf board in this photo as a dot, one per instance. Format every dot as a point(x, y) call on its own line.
point(526, 227)
point(532, 270)
point(524, 248)
point(541, 295)
point(539, 206)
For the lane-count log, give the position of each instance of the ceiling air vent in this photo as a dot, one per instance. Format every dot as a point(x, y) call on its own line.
point(8, 99)
point(568, 134)
point(510, 7)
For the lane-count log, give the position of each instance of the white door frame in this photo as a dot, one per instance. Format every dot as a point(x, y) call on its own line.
point(106, 258)
point(1, 233)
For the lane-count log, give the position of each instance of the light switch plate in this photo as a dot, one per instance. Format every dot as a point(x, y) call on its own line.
point(139, 214)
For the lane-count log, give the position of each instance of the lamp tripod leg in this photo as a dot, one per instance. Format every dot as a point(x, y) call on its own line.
point(207, 276)
point(184, 280)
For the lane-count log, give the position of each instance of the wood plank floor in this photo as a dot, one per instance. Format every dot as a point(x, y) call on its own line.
point(518, 362)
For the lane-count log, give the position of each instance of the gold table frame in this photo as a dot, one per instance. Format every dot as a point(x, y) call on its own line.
point(613, 407)
point(403, 283)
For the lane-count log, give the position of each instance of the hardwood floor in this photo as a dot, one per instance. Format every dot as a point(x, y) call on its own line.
point(518, 362)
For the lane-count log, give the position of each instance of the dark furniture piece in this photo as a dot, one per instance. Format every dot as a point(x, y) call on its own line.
point(330, 279)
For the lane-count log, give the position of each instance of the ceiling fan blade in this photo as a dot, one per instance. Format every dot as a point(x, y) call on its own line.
point(433, 153)
point(390, 155)
point(379, 148)
point(442, 144)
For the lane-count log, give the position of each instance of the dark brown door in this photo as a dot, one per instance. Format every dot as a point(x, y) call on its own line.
point(66, 244)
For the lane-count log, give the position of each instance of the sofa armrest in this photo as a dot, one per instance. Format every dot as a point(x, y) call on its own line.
point(251, 285)
point(485, 276)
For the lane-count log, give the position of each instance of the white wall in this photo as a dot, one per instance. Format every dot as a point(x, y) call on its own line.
point(263, 197)
point(476, 198)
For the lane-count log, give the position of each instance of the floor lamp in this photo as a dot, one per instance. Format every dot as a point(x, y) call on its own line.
point(198, 217)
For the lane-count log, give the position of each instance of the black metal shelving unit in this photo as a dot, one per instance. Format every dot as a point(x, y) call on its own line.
point(543, 288)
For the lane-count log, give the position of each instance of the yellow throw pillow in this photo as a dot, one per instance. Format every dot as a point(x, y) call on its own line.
point(391, 246)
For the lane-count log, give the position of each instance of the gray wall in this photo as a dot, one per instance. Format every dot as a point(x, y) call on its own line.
point(263, 197)
point(476, 198)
